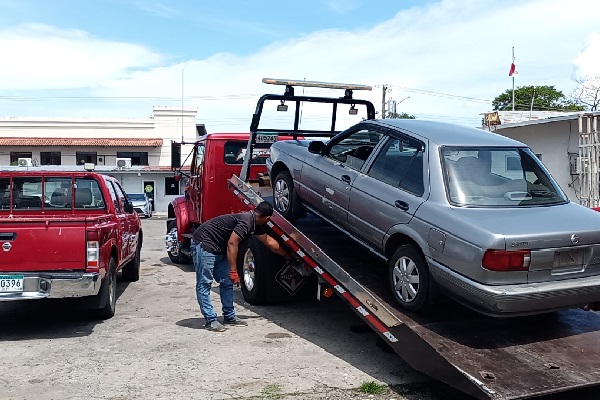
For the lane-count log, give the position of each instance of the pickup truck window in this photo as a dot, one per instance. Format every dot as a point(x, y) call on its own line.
point(113, 196)
point(122, 198)
point(88, 194)
point(235, 152)
point(58, 191)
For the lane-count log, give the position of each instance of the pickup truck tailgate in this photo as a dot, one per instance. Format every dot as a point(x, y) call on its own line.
point(42, 244)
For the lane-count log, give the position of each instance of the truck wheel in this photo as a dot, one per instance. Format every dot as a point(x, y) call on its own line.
point(174, 252)
point(131, 271)
point(253, 263)
point(409, 278)
point(285, 199)
point(107, 293)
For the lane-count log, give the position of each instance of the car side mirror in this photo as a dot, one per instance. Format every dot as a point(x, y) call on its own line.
point(129, 207)
point(316, 147)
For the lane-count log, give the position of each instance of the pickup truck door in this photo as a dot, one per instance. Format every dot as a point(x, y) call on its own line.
point(389, 192)
point(132, 220)
point(122, 220)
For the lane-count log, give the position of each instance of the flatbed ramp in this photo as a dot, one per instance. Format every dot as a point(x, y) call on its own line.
point(485, 357)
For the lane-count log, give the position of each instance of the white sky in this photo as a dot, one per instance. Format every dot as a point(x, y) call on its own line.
point(445, 60)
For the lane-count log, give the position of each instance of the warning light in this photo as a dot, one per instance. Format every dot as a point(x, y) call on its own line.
point(328, 292)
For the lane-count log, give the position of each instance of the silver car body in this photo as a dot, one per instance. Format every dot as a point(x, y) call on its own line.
point(452, 222)
point(141, 203)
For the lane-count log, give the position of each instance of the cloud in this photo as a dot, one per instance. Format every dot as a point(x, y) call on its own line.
point(587, 62)
point(451, 58)
point(41, 57)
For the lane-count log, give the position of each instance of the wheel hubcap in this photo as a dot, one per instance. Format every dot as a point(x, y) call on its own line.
point(406, 279)
point(281, 194)
point(248, 270)
point(174, 243)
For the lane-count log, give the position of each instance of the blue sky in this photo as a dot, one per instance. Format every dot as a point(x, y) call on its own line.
point(444, 60)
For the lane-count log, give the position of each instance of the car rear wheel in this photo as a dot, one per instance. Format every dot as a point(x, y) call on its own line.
point(131, 271)
point(285, 199)
point(108, 293)
point(409, 278)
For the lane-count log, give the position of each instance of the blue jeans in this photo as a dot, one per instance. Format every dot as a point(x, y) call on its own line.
point(211, 267)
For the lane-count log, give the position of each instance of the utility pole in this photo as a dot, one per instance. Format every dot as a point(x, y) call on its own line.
point(384, 91)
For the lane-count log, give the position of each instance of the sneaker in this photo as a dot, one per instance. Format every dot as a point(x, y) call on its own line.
point(235, 321)
point(215, 326)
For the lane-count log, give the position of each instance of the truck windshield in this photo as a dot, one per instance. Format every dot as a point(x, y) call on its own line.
point(497, 177)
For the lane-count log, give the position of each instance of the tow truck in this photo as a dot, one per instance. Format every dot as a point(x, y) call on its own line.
point(484, 357)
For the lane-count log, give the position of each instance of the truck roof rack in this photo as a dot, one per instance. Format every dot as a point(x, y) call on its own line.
point(288, 97)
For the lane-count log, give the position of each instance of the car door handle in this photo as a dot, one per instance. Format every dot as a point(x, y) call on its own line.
point(346, 178)
point(401, 205)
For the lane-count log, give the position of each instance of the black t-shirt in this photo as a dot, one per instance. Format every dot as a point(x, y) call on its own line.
point(215, 233)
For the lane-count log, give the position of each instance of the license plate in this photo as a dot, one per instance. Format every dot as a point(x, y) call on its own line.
point(568, 258)
point(11, 283)
point(266, 138)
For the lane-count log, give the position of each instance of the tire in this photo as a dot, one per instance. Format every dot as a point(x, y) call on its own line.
point(285, 199)
point(254, 262)
point(131, 270)
point(107, 294)
point(176, 255)
point(409, 278)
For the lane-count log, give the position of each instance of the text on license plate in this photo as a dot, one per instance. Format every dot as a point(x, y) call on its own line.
point(11, 283)
point(569, 257)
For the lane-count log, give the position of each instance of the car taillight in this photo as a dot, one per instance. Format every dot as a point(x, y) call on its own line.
point(502, 260)
point(92, 251)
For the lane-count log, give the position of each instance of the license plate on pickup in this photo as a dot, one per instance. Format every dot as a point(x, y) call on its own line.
point(11, 283)
point(266, 137)
point(568, 258)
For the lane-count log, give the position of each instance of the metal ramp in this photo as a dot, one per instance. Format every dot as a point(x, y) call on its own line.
point(485, 357)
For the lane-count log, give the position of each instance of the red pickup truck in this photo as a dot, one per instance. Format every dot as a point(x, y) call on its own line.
point(66, 235)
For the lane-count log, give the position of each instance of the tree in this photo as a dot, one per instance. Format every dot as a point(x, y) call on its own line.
point(545, 98)
point(588, 92)
point(403, 115)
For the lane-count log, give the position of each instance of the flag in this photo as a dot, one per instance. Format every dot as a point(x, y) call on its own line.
point(513, 70)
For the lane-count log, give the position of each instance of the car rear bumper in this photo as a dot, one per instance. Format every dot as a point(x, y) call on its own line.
point(54, 285)
point(517, 299)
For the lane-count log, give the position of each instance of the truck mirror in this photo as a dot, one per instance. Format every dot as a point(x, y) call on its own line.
point(175, 155)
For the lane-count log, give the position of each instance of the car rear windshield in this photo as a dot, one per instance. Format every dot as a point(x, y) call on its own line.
point(497, 177)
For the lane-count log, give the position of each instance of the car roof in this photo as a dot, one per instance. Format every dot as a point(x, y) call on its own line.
point(444, 134)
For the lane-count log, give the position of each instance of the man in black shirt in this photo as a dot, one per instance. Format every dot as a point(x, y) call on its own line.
point(214, 250)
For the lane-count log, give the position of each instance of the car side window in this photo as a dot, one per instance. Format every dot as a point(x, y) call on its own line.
point(400, 164)
point(123, 200)
point(113, 196)
point(354, 150)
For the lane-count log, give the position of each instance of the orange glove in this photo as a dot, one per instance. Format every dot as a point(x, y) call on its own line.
point(235, 279)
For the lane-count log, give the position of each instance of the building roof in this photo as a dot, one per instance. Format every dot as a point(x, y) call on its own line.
point(93, 142)
point(555, 117)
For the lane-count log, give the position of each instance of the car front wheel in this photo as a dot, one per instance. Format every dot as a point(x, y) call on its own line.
point(285, 199)
point(409, 278)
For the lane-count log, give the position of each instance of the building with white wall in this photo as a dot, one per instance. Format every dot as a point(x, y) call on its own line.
point(136, 151)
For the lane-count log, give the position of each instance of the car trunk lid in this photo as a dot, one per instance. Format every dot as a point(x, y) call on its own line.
point(564, 239)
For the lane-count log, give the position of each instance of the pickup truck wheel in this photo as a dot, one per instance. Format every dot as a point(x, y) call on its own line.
point(285, 199)
point(253, 261)
point(175, 253)
point(131, 271)
point(108, 293)
point(409, 278)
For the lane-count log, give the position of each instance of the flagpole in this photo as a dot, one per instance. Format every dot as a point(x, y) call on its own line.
point(513, 78)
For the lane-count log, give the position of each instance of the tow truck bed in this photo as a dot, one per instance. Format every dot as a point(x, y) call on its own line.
point(488, 358)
